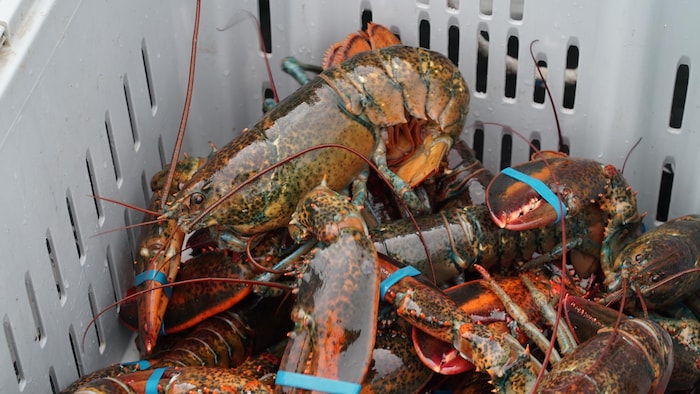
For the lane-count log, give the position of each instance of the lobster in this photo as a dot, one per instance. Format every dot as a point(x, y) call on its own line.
point(355, 99)
point(662, 265)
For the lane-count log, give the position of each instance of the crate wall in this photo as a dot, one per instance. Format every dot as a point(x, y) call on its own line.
point(91, 94)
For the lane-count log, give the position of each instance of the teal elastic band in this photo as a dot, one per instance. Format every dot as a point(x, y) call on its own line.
point(540, 188)
point(308, 382)
point(155, 276)
point(154, 379)
point(395, 277)
point(143, 364)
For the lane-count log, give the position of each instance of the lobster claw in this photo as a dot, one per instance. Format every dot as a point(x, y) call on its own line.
point(515, 204)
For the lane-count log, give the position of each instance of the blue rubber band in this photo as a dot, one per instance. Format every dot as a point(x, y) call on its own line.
point(155, 276)
point(162, 329)
point(154, 379)
point(308, 382)
point(143, 364)
point(395, 277)
point(540, 188)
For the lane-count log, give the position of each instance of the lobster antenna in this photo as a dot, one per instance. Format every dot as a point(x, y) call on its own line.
point(235, 20)
point(186, 110)
point(123, 204)
point(549, 95)
point(629, 153)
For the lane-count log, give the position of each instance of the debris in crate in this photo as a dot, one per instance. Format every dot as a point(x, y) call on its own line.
point(592, 203)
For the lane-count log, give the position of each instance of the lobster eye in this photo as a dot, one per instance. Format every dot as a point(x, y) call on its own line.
point(638, 257)
point(197, 199)
point(655, 278)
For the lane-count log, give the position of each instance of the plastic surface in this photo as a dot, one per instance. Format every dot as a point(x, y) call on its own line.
point(91, 94)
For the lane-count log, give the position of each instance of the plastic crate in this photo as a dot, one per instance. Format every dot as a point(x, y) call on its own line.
point(91, 94)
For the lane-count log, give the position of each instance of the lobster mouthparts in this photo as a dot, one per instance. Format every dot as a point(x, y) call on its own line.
point(515, 205)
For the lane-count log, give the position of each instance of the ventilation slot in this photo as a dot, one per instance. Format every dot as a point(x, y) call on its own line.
point(130, 111)
point(98, 325)
point(424, 34)
point(129, 233)
point(453, 44)
point(482, 61)
point(366, 18)
point(511, 67)
point(76, 355)
point(506, 150)
point(93, 186)
point(149, 75)
point(680, 90)
point(161, 152)
point(146, 188)
point(486, 7)
point(478, 144)
point(539, 91)
point(516, 10)
point(12, 347)
point(264, 13)
point(39, 334)
point(74, 225)
point(453, 4)
point(113, 274)
point(665, 189)
point(57, 277)
point(112, 148)
point(570, 77)
point(538, 146)
point(53, 381)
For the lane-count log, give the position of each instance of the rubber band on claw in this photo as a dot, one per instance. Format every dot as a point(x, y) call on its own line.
point(539, 186)
point(155, 276)
point(142, 364)
point(308, 382)
point(154, 379)
point(395, 277)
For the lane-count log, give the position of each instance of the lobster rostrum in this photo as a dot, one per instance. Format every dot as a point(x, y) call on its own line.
point(351, 102)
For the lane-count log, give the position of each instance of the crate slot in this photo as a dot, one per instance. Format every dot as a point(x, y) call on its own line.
point(97, 322)
point(149, 75)
point(511, 67)
point(130, 110)
point(112, 148)
point(680, 90)
point(57, 277)
point(453, 5)
point(453, 44)
point(569, 98)
point(113, 274)
point(266, 31)
point(665, 188)
point(365, 18)
point(478, 142)
point(53, 381)
point(76, 354)
point(482, 61)
point(538, 91)
point(506, 150)
point(99, 210)
point(40, 335)
point(486, 7)
point(516, 9)
point(130, 232)
point(535, 142)
point(12, 347)
point(74, 225)
point(146, 188)
point(424, 34)
point(164, 157)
